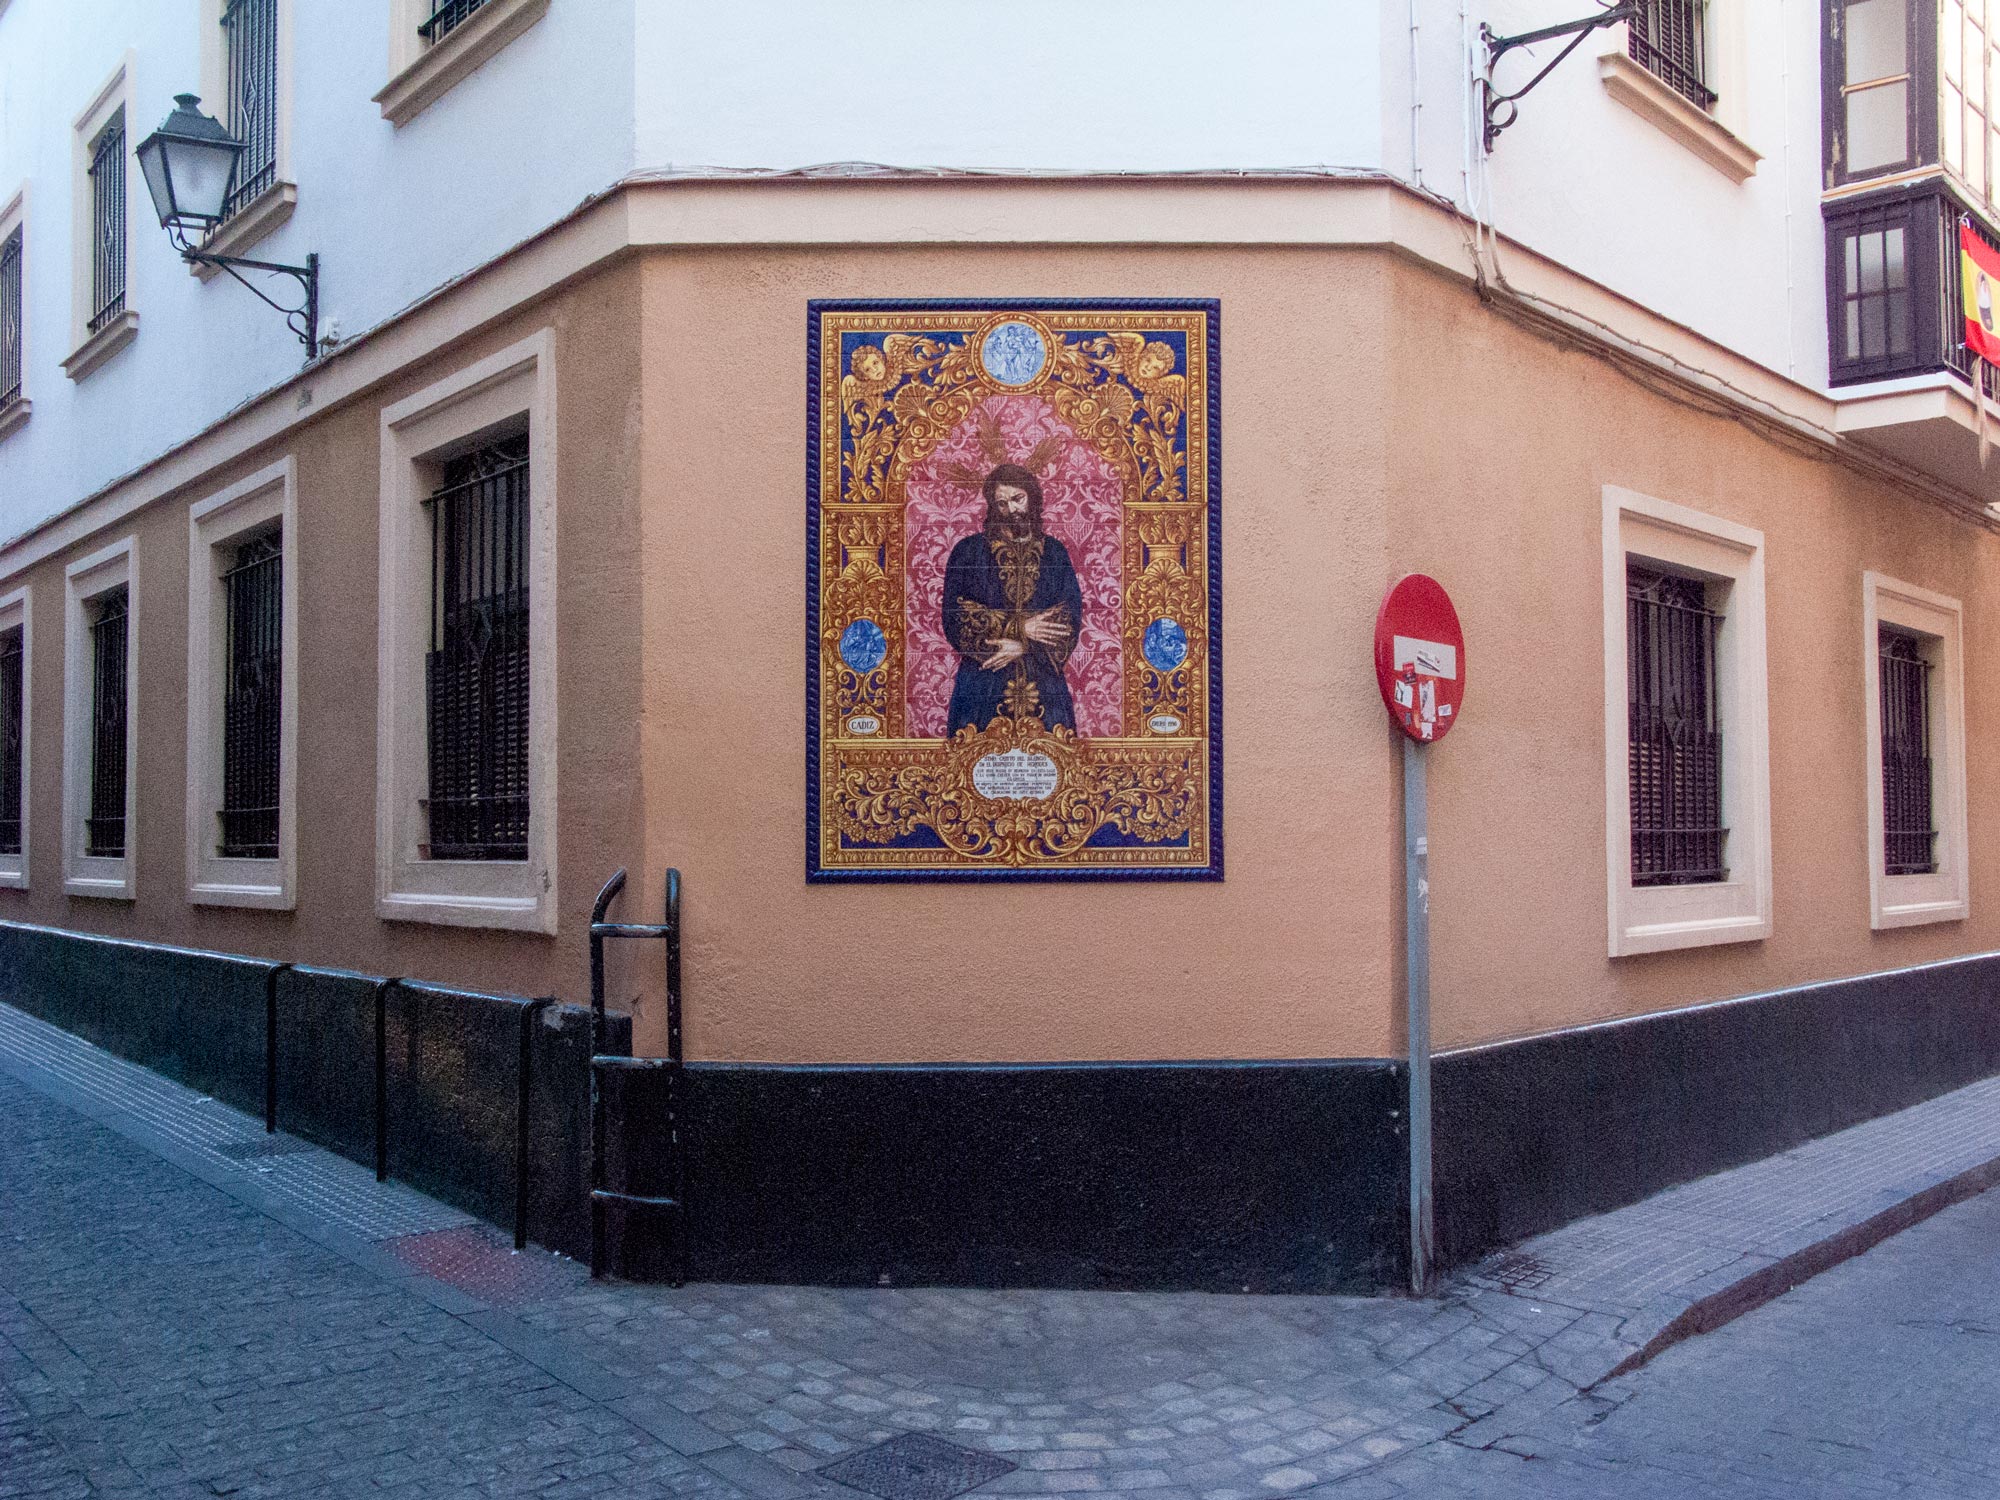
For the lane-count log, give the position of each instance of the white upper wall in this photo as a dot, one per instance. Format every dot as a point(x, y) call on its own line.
point(1010, 85)
point(1590, 183)
point(393, 212)
point(599, 88)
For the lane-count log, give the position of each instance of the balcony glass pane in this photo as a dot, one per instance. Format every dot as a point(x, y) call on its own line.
point(1975, 155)
point(1878, 126)
point(1871, 264)
point(1954, 38)
point(1975, 75)
point(1874, 327)
point(1901, 330)
point(1954, 129)
point(1895, 272)
point(1878, 40)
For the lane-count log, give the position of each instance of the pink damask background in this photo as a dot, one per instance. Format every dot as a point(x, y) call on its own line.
point(1081, 507)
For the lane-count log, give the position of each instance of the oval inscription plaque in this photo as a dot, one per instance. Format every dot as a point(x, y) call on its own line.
point(1163, 723)
point(863, 724)
point(1022, 775)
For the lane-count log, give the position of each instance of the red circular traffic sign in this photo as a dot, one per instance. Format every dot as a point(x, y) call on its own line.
point(1420, 658)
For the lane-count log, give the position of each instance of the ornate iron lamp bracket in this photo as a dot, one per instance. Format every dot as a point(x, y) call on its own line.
point(1503, 109)
point(303, 320)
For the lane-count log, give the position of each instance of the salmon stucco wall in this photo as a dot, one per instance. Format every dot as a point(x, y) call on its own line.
point(1286, 957)
point(1503, 446)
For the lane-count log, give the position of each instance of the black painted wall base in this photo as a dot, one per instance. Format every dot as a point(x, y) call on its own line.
point(1252, 1176)
point(1264, 1177)
point(453, 1074)
point(1535, 1133)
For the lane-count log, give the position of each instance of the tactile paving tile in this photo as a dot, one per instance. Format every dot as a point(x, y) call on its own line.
point(341, 1190)
point(916, 1466)
point(270, 1145)
point(484, 1263)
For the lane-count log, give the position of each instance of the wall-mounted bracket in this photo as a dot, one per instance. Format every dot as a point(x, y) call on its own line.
point(303, 320)
point(1503, 109)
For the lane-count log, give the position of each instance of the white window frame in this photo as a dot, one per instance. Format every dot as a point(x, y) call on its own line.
point(83, 581)
point(422, 73)
point(272, 207)
point(418, 433)
point(215, 526)
point(1652, 919)
point(13, 216)
point(17, 612)
point(1943, 895)
point(89, 350)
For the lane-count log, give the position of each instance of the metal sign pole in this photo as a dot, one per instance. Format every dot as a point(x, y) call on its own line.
point(1417, 967)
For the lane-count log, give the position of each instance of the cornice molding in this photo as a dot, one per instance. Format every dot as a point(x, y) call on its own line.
point(655, 212)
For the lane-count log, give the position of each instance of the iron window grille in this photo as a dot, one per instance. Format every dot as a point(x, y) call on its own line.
point(476, 674)
point(11, 730)
point(253, 607)
point(10, 319)
point(107, 222)
point(250, 43)
point(446, 17)
point(1669, 39)
point(104, 829)
point(1674, 731)
point(1909, 841)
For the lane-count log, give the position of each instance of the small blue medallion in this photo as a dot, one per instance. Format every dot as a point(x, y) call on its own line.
point(1166, 644)
point(862, 646)
point(1013, 354)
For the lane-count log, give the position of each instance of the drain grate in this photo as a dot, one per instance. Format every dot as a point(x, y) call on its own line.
point(270, 1145)
point(1521, 1273)
point(916, 1466)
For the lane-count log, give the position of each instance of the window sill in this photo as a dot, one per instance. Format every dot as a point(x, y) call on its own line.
point(13, 872)
point(249, 224)
point(440, 68)
point(1649, 98)
point(1660, 919)
point(101, 345)
point(260, 895)
point(467, 908)
point(1914, 911)
point(14, 414)
point(102, 887)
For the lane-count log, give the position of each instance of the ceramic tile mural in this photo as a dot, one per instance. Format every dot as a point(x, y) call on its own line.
point(1014, 598)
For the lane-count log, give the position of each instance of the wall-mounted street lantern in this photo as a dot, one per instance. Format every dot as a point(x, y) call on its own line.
point(190, 164)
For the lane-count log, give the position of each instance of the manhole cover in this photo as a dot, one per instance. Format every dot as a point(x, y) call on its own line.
point(916, 1467)
point(269, 1145)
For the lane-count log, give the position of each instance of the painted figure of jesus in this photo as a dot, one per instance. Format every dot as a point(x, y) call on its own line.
point(1012, 610)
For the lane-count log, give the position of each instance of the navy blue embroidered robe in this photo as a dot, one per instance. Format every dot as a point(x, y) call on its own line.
point(991, 587)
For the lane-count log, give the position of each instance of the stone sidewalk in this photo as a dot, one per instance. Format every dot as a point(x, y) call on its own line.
point(350, 1338)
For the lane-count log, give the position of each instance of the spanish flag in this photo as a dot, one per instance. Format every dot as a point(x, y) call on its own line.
point(1979, 279)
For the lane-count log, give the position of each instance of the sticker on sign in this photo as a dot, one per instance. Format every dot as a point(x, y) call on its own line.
point(1432, 658)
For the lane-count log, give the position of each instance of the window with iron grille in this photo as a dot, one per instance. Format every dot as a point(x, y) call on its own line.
point(253, 607)
point(1675, 751)
point(12, 702)
point(1669, 39)
point(107, 223)
point(476, 674)
point(104, 828)
point(446, 17)
point(10, 318)
point(1909, 839)
point(250, 50)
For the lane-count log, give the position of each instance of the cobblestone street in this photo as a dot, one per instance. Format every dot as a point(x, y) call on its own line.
point(190, 1308)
